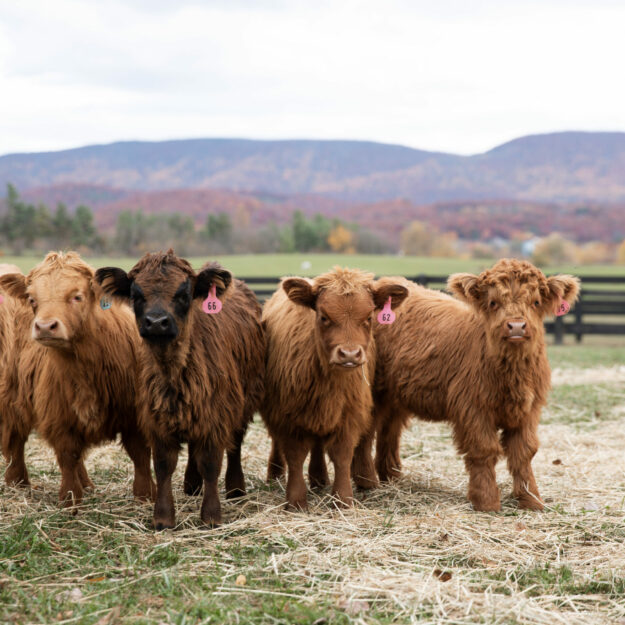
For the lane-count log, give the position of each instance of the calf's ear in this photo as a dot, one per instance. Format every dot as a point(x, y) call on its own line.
point(563, 287)
point(383, 289)
point(212, 273)
point(14, 284)
point(300, 291)
point(464, 286)
point(114, 281)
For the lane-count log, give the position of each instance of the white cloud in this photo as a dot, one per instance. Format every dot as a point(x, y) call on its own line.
point(431, 75)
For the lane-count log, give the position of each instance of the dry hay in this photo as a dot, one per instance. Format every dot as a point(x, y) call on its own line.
point(414, 550)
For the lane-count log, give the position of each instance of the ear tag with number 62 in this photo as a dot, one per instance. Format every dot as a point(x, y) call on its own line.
point(105, 302)
point(212, 304)
point(562, 308)
point(386, 316)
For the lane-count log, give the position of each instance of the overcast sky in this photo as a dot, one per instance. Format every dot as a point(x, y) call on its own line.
point(453, 76)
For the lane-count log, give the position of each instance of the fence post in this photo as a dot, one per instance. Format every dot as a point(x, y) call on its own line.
point(558, 330)
point(578, 321)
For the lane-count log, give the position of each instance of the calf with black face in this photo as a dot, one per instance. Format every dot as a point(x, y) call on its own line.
point(201, 372)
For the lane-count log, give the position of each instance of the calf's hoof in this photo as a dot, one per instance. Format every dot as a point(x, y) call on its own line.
point(236, 493)
point(163, 524)
point(275, 472)
point(486, 505)
point(389, 474)
point(144, 492)
point(366, 482)
point(235, 485)
point(318, 481)
point(192, 488)
point(16, 479)
point(297, 505)
point(527, 502)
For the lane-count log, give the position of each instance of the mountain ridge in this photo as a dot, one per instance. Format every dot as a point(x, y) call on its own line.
point(569, 166)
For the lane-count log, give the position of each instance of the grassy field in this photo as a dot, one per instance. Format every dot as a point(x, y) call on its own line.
point(410, 552)
point(289, 264)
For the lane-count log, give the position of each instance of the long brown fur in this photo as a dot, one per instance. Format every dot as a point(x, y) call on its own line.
point(309, 403)
point(79, 393)
point(202, 388)
point(15, 320)
point(448, 360)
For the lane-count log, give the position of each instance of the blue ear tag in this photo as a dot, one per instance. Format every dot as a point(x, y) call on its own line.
point(105, 302)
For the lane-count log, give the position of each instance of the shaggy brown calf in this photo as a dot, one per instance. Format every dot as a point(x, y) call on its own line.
point(201, 375)
point(320, 359)
point(480, 364)
point(76, 375)
point(15, 320)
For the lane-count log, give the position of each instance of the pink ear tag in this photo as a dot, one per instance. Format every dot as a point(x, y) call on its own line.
point(562, 308)
point(212, 304)
point(386, 316)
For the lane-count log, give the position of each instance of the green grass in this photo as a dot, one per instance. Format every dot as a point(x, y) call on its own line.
point(284, 264)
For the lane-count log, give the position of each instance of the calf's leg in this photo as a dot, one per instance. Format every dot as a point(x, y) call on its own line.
point(363, 470)
point(192, 483)
point(235, 480)
point(276, 467)
point(295, 452)
point(391, 423)
point(69, 452)
point(137, 448)
point(481, 450)
point(317, 469)
point(341, 450)
point(13, 443)
point(208, 458)
point(83, 476)
point(165, 460)
point(520, 446)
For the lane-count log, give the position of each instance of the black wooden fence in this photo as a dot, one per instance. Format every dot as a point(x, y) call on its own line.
point(599, 310)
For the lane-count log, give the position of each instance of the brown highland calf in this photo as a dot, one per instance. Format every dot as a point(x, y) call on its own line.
point(15, 320)
point(320, 360)
point(76, 375)
point(201, 375)
point(480, 364)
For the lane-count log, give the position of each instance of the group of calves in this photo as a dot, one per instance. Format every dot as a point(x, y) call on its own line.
point(163, 356)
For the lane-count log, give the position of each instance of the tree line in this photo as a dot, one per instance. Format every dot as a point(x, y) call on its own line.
point(28, 227)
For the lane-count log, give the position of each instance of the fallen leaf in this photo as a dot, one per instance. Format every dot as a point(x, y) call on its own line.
point(444, 536)
point(443, 576)
point(520, 527)
point(241, 580)
point(93, 580)
point(557, 461)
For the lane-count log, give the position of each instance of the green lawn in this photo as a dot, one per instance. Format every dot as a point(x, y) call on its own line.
point(289, 264)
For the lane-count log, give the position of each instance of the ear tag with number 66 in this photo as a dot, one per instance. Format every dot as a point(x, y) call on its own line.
point(212, 304)
point(562, 308)
point(386, 316)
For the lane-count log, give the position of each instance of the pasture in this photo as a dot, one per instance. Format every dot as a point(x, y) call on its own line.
point(291, 264)
point(410, 552)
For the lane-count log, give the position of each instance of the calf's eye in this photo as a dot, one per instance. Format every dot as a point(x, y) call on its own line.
point(77, 298)
point(492, 304)
point(537, 303)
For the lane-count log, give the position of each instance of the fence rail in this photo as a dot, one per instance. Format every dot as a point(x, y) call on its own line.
point(599, 311)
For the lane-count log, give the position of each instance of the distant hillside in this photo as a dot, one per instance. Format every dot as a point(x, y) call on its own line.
point(561, 167)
